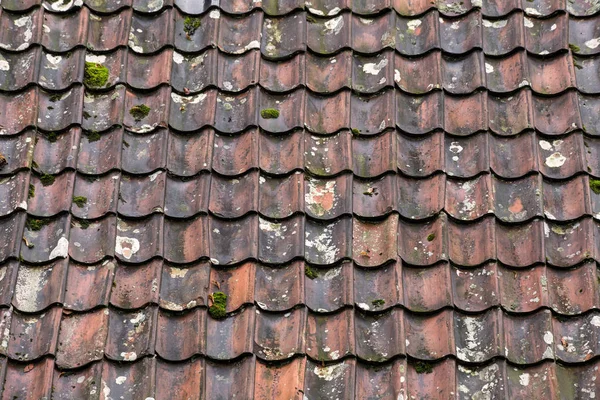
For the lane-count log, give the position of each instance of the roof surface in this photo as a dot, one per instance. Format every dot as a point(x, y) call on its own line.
point(418, 219)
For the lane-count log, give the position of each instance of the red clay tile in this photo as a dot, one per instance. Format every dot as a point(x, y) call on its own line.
point(14, 192)
point(157, 114)
point(58, 73)
point(553, 75)
point(372, 114)
point(51, 199)
point(513, 157)
point(103, 111)
point(466, 156)
point(19, 31)
point(420, 156)
point(325, 381)
point(280, 336)
point(185, 287)
point(206, 35)
point(375, 284)
point(237, 283)
point(238, 35)
point(273, 189)
point(17, 150)
point(140, 196)
point(233, 155)
point(18, 112)
point(181, 380)
point(478, 338)
point(276, 45)
point(20, 69)
point(374, 243)
point(423, 243)
point(504, 35)
point(236, 73)
point(473, 244)
point(190, 154)
point(374, 35)
point(131, 335)
point(379, 337)
point(100, 193)
point(328, 198)
point(570, 243)
point(518, 201)
point(186, 197)
point(58, 111)
point(190, 74)
point(134, 380)
point(279, 382)
point(91, 242)
point(469, 200)
point(459, 123)
point(240, 341)
point(8, 275)
point(567, 200)
point(12, 226)
point(236, 380)
point(147, 72)
point(416, 284)
point(321, 160)
point(38, 287)
point(583, 33)
point(330, 289)
point(19, 5)
point(326, 115)
point(136, 286)
point(143, 154)
point(463, 75)
point(418, 75)
point(419, 114)
point(235, 113)
point(526, 338)
point(461, 34)
point(21, 346)
point(279, 288)
point(329, 337)
point(561, 158)
point(290, 107)
point(32, 380)
point(328, 35)
point(106, 32)
point(510, 115)
point(48, 243)
point(573, 291)
point(149, 34)
point(556, 115)
point(374, 198)
point(231, 241)
point(185, 240)
point(423, 345)
point(416, 36)
point(506, 74)
point(181, 336)
point(62, 32)
point(520, 245)
point(285, 75)
point(543, 7)
point(281, 154)
point(327, 243)
point(475, 290)
point(80, 384)
point(81, 339)
point(280, 242)
point(88, 286)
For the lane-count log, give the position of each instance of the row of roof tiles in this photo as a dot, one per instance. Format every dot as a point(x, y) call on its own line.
point(365, 156)
point(366, 115)
point(491, 8)
point(467, 200)
point(78, 339)
point(367, 243)
point(323, 75)
point(409, 36)
point(80, 288)
point(248, 379)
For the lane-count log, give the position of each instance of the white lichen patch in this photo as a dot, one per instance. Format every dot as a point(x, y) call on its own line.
point(532, 11)
point(4, 65)
point(214, 14)
point(473, 351)
point(527, 22)
point(320, 198)
point(489, 68)
point(178, 272)
point(61, 249)
point(120, 380)
point(374, 69)
point(331, 372)
point(188, 99)
point(524, 379)
point(335, 25)
point(555, 160)
point(126, 246)
point(548, 337)
point(397, 76)
point(495, 24)
point(413, 24)
point(129, 355)
point(30, 280)
point(98, 59)
point(177, 57)
point(595, 321)
point(593, 43)
point(255, 44)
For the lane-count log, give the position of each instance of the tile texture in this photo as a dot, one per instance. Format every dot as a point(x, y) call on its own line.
point(399, 198)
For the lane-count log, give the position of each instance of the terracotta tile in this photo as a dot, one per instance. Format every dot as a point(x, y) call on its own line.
point(151, 33)
point(182, 380)
point(187, 197)
point(423, 345)
point(136, 286)
point(412, 7)
point(475, 289)
point(237, 379)
point(461, 34)
point(520, 245)
point(387, 381)
point(374, 243)
point(181, 336)
point(478, 338)
point(416, 281)
point(23, 381)
point(142, 6)
point(420, 156)
point(207, 33)
point(129, 380)
point(276, 45)
point(51, 199)
point(543, 7)
point(329, 337)
point(141, 195)
point(285, 75)
point(48, 243)
point(18, 112)
point(186, 240)
point(143, 154)
point(241, 325)
point(13, 192)
point(237, 283)
point(321, 162)
point(235, 113)
point(416, 36)
point(510, 115)
point(88, 286)
point(38, 287)
point(330, 289)
point(8, 272)
point(17, 150)
point(459, 123)
point(232, 241)
point(233, 155)
point(100, 193)
point(190, 154)
point(561, 158)
point(139, 240)
point(58, 111)
point(103, 111)
point(12, 226)
point(419, 114)
point(157, 116)
point(328, 198)
point(553, 75)
point(55, 152)
point(379, 337)
point(374, 198)
point(556, 205)
point(281, 154)
point(19, 31)
point(472, 244)
point(80, 384)
point(280, 381)
point(194, 6)
point(236, 73)
point(506, 74)
point(476, 379)
point(463, 75)
point(574, 291)
point(131, 335)
point(327, 115)
point(580, 32)
point(526, 338)
point(523, 290)
point(541, 38)
point(272, 190)
point(81, 339)
point(418, 75)
point(518, 201)
point(107, 6)
point(194, 73)
point(372, 114)
point(65, 31)
point(290, 107)
point(558, 115)
point(503, 35)
point(90, 243)
point(328, 35)
point(22, 68)
point(330, 380)
point(327, 243)
point(375, 284)
point(19, 5)
point(470, 200)
point(106, 32)
point(23, 346)
point(583, 375)
point(238, 35)
point(279, 288)
point(466, 156)
point(280, 336)
point(280, 242)
point(373, 35)
point(184, 287)
point(581, 8)
point(570, 243)
point(147, 72)
point(423, 243)
point(328, 7)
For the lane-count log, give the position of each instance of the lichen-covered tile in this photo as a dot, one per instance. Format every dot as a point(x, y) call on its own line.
point(324, 381)
point(62, 32)
point(379, 337)
point(19, 31)
point(468, 200)
point(518, 201)
point(482, 379)
point(326, 199)
point(193, 73)
point(583, 35)
point(562, 158)
point(281, 241)
point(90, 242)
point(236, 73)
point(184, 287)
point(284, 36)
point(145, 111)
point(200, 32)
point(149, 34)
point(37, 287)
point(466, 157)
point(328, 35)
point(478, 338)
point(567, 244)
point(372, 74)
point(17, 70)
point(476, 289)
point(131, 334)
point(82, 338)
point(423, 243)
point(239, 35)
point(279, 288)
point(417, 35)
point(502, 36)
point(520, 245)
point(529, 339)
point(330, 337)
point(463, 75)
point(543, 8)
point(17, 151)
point(280, 336)
point(506, 74)
point(327, 243)
point(107, 32)
point(24, 344)
point(325, 156)
point(14, 192)
point(136, 286)
point(375, 198)
point(84, 383)
point(134, 380)
point(328, 289)
point(236, 113)
point(45, 239)
point(139, 240)
point(461, 34)
point(103, 110)
point(59, 72)
point(57, 111)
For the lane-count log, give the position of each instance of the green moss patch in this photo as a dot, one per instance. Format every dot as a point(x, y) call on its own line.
point(378, 302)
point(35, 224)
point(574, 48)
point(95, 75)
point(55, 97)
point(269, 113)
point(423, 367)
point(92, 136)
point(139, 112)
point(310, 272)
point(80, 201)
point(595, 185)
point(190, 25)
point(219, 305)
point(356, 131)
point(430, 237)
point(3, 161)
point(47, 179)
point(52, 137)
point(31, 193)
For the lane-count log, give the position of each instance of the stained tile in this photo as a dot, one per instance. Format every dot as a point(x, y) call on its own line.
point(20, 69)
point(184, 287)
point(81, 339)
point(241, 325)
point(503, 35)
point(62, 32)
point(22, 345)
point(186, 240)
point(276, 45)
point(545, 36)
point(151, 33)
point(88, 286)
point(48, 282)
point(136, 286)
point(280, 336)
point(131, 335)
point(181, 336)
point(329, 337)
